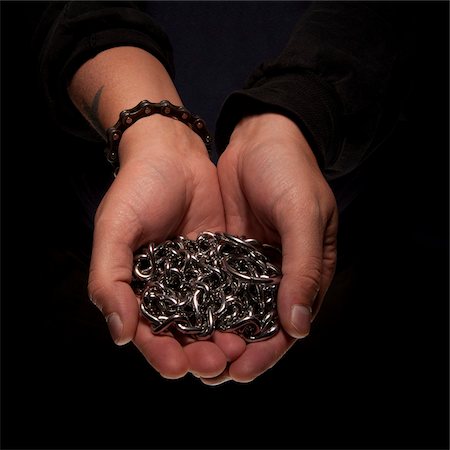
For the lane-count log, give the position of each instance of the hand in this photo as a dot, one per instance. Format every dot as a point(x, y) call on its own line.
point(274, 191)
point(166, 186)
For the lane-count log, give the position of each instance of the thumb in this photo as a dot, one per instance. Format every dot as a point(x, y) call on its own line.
point(109, 285)
point(302, 275)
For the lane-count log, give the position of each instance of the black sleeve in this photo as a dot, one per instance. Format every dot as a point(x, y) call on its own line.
point(342, 78)
point(71, 32)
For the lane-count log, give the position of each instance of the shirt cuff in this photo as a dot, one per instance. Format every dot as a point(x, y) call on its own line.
point(302, 97)
point(77, 36)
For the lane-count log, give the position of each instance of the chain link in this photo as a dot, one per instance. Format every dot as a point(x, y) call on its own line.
point(215, 282)
point(143, 109)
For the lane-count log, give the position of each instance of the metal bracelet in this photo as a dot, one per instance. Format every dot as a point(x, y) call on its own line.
point(215, 282)
point(144, 109)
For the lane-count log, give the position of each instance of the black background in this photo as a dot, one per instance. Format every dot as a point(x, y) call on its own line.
point(372, 374)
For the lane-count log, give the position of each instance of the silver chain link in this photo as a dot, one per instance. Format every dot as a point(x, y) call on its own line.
point(215, 282)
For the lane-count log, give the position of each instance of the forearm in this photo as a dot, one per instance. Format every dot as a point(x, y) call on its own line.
point(72, 33)
point(117, 79)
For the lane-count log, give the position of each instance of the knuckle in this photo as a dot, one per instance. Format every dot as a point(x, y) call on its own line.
point(96, 294)
point(308, 279)
point(310, 282)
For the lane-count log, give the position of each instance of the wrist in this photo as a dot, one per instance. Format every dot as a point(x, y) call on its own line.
point(270, 130)
point(157, 136)
point(192, 124)
point(267, 126)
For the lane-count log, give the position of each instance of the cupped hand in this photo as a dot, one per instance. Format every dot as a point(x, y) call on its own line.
point(273, 190)
point(166, 186)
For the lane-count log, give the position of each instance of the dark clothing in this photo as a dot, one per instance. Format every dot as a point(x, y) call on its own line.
point(343, 77)
point(70, 33)
point(374, 371)
point(343, 74)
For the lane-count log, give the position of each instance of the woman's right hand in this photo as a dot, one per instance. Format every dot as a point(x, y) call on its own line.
point(166, 186)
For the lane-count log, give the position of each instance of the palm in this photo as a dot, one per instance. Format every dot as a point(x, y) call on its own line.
point(147, 204)
point(274, 192)
point(247, 215)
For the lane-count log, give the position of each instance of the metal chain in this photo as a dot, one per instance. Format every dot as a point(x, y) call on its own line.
point(215, 282)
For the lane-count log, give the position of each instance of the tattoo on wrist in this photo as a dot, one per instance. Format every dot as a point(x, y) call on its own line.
point(91, 112)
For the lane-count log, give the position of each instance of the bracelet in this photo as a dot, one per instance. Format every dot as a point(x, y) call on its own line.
point(144, 109)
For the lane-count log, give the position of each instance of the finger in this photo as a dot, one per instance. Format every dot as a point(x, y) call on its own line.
point(260, 357)
point(231, 344)
point(302, 261)
point(205, 358)
point(220, 379)
point(163, 352)
point(109, 285)
point(328, 261)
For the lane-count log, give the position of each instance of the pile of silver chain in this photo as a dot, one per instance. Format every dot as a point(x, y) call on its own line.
point(215, 282)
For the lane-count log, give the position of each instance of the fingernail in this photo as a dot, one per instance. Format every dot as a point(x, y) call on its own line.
point(215, 382)
point(115, 327)
point(92, 299)
point(315, 296)
point(301, 320)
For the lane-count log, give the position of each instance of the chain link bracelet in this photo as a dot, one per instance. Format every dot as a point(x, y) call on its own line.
point(144, 109)
point(215, 282)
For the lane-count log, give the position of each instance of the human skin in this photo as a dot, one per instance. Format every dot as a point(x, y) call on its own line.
point(166, 186)
point(273, 190)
